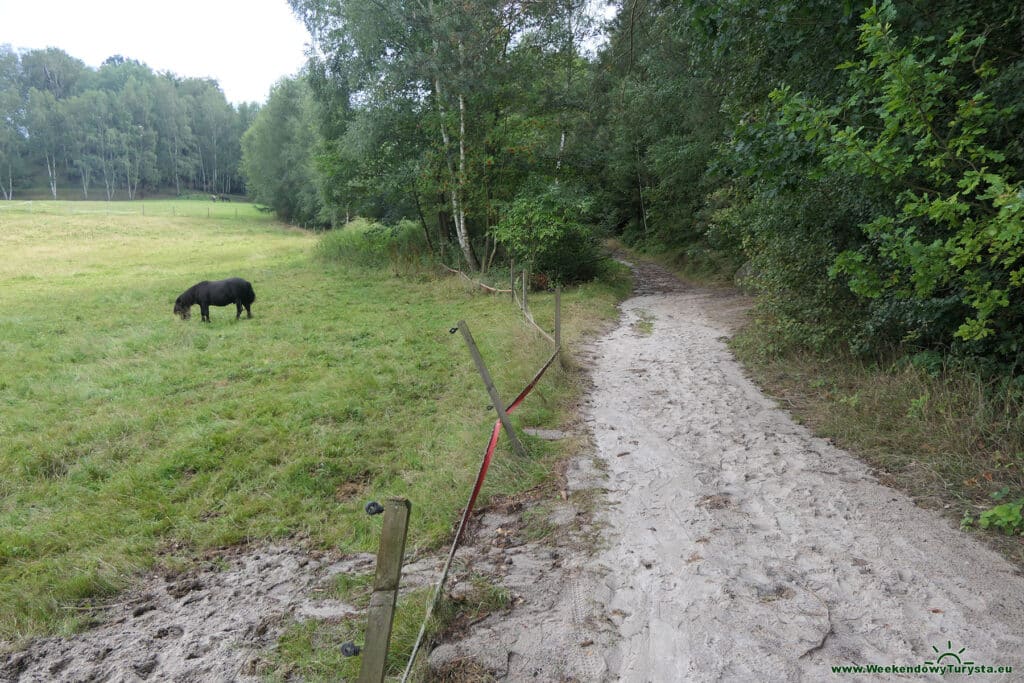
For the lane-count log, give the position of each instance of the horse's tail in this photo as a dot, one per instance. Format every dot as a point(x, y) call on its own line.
point(251, 292)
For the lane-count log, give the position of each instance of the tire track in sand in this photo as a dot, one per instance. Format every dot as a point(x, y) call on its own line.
point(741, 548)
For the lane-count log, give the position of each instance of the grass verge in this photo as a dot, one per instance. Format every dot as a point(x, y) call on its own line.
point(950, 440)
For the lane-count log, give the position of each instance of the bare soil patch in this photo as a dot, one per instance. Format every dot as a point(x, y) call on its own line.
point(212, 623)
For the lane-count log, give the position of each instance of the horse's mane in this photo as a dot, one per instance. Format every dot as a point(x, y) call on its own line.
point(188, 297)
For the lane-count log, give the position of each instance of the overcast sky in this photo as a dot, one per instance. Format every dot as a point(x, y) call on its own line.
point(245, 45)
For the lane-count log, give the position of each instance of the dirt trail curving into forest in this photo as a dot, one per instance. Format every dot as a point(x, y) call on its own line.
point(734, 545)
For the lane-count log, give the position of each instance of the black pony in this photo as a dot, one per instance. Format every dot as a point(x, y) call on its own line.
point(234, 290)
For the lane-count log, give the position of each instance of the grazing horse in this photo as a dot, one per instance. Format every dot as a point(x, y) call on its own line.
point(234, 290)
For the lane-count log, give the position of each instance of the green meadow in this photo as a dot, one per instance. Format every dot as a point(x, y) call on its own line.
point(131, 439)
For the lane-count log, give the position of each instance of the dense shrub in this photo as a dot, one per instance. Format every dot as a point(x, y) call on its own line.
point(946, 263)
point(549, 227)
point(791, 240)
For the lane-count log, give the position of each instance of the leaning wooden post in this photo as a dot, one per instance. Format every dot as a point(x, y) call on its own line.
point(385, 590)
point(499, 407)
point(512, 278)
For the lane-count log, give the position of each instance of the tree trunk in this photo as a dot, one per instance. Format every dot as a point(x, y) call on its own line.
point(84, 172)
point(558, 160)
point(9, 190)
point(458, 214)
point(175, 153)
point(460, 218)
point(423, 220)
point(109, 174)
point(640, 191)
point(213, 184)
point(202, 167)
point(51, 170)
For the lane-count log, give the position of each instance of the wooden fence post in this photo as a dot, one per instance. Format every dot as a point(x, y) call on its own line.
point(499, 407)
point(558, 318)
point(525, 307)
point(385, 590)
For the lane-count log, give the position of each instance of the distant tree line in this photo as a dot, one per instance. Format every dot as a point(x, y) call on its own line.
point(114, 131)
point(856, 164)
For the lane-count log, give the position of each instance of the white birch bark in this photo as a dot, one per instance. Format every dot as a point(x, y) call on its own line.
point(456, 178)
point(9, 190)
point(51, 171)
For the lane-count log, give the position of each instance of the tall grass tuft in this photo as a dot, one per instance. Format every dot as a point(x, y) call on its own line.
point(363, 244)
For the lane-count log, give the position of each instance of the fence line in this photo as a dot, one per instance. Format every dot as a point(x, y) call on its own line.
point(465, 277)
point(527, 315)
point(385, 589)
point(486, 460)
point(160, 208)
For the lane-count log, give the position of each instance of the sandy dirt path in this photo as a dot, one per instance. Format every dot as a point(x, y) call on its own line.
point(735, 545)
point(214, 623)
point(742, 548)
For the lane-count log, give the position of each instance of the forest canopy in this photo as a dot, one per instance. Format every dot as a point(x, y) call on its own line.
point(857, 165)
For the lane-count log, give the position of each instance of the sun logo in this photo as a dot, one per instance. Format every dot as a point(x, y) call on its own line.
point(949, 653)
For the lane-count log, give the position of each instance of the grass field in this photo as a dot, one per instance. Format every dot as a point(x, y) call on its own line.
point(129, 437)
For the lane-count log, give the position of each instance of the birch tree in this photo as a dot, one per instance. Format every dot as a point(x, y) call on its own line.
point(46, 124)
point(174, 134)
point(12, 121)
point(140, 135)
point(86, 115)
point(445, 63)
point(12, 141)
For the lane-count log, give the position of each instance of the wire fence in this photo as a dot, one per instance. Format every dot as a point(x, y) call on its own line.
point(499, 424)
point(167, 208)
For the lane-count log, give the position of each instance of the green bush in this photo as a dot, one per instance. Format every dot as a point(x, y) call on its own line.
point(548, 228)
point(790, 240)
